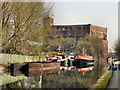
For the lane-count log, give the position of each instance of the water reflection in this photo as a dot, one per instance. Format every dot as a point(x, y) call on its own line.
point(68, 79)
point(6, 78)
point(62, 79)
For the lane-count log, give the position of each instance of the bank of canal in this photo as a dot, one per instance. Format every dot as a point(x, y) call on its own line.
point(104, 80)
point(114, 81)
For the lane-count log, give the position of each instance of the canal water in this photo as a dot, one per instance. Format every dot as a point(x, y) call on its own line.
point(61, 79)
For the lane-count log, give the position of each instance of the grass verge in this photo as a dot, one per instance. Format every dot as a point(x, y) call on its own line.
point(105, 81)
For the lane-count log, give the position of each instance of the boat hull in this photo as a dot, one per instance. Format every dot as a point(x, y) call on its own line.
point(34, 68)
point(43, 68)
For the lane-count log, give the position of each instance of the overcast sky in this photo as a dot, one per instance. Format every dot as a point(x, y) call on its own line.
point(104, 14)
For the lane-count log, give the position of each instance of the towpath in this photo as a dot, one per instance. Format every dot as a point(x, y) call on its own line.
point(115, 81)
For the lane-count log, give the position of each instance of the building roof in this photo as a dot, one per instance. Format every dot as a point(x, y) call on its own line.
point(78, 24)
point(70, 24)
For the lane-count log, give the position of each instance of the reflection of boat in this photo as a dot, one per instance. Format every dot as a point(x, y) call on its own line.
point(2, 69)
point(85, 69)
point(86, 59)
point(63, 68)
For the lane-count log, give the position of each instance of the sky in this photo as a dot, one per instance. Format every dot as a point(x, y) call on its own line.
point(119, 20)
point(100, 13)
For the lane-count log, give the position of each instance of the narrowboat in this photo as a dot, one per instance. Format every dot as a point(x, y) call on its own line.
point(35, 68)
point(86, 59)
point(43, 68)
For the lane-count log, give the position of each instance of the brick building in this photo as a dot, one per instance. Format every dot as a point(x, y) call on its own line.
point(80, 31)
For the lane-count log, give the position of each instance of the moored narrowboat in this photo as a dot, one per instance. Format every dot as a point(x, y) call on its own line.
point(42, 68)
point(34, 68)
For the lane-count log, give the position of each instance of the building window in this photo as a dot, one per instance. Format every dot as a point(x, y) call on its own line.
point(58, 33)
point(84, 33)
point(58, 37)
point(78, 33)
point(64, 33)
point(87, 28)
point(71, 33)
point(59, 28)
point(70, 28)
point(71, 36)
point(63, 28)
point(79, 28)
point(84, 28)
point(66, 28)
point(64, 36)
point(73, 28)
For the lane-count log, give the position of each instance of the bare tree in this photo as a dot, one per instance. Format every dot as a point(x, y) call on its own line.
point(83, 44)
point(92, 44)
point(61, 43)
point(24, 23)
point(117, 48)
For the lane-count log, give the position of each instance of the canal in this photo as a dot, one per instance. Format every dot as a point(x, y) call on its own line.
point(62, 79)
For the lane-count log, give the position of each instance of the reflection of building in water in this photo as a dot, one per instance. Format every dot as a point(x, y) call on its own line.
point(83, 73)
point(69, 79)
point(7, 78)
point(33, 82)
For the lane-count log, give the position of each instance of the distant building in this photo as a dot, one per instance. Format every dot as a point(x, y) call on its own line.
point(80, 31)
